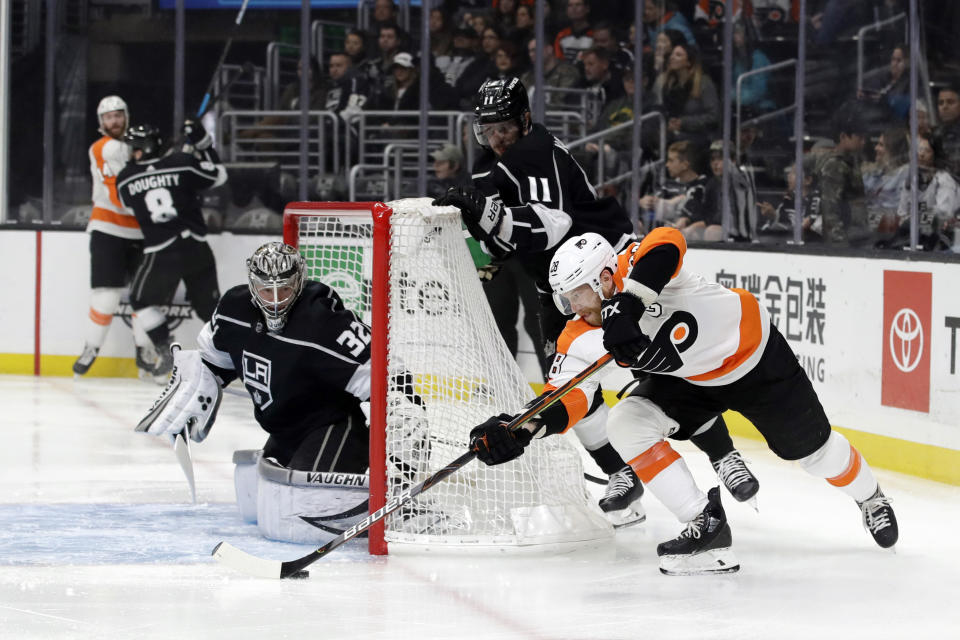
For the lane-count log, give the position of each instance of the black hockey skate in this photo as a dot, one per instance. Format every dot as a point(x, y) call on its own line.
point(621, 501)
point(85, 361)
point(164, 365)
point(879, 519)
point(737, 478)
point(704, 546)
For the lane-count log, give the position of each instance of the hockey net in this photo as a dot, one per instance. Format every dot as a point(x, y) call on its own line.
point(405, 268)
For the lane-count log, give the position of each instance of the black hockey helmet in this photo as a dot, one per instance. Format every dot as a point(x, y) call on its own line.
point(500, 100)
point(146, 138)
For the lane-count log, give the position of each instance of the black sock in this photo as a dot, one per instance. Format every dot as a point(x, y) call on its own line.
point(607, 459)
point(715, 441)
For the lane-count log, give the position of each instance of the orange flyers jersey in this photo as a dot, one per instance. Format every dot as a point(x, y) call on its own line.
point(107, 157)
point(579, 345)
point(699, 330)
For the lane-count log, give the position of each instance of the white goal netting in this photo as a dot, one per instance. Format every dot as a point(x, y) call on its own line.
point(441, 331)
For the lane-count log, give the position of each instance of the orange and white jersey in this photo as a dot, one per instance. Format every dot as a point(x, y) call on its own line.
point(699, 330)
point(107, 157)
point(579, 345)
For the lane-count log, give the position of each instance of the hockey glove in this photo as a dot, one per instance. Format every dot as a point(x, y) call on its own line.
point(482, 214)
point(190, 400)
point(495, 444)
point(622, 336)
point(196, 135)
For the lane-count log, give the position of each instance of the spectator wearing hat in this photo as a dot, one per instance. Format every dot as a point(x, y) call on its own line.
point(743, 202)
point(404, 95)
point(448, 171)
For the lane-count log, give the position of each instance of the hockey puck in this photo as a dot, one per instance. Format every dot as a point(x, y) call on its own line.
point(299, 575)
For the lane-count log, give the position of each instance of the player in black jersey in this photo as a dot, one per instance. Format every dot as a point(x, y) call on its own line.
point(302, 356)
point(163, 193)
point(530, 194)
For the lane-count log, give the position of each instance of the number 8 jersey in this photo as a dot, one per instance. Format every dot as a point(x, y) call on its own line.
point(163, 195)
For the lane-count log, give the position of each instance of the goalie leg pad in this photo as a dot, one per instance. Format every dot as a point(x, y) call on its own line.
point(189, 401)
point(245, 481)
point(308, 507)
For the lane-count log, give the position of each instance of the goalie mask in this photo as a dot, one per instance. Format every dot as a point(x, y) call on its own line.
point(108, 104)
point(275, 273)
point(579, 261)
point(500, 103)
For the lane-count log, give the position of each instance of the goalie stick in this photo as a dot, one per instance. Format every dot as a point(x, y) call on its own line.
point(244, 562)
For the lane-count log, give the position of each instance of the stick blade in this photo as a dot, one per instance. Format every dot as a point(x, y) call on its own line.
point(241, 561)
point(181, 448)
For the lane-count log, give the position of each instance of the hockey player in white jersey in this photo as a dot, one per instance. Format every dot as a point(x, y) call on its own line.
point(707, 349)
point(116, 242)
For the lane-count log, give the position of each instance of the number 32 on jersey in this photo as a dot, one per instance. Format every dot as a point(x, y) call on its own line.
point(356, 338)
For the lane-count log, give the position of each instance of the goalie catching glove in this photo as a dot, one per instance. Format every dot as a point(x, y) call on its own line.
point(622, 336)
point(189, 401)
point(495, 444)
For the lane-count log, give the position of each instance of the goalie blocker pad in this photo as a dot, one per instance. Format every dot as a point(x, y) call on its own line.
point(189, 401)
point(306, 507)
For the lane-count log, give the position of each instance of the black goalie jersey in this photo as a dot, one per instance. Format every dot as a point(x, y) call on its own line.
point(550, 198)
point(164, 195)
point(312, 374)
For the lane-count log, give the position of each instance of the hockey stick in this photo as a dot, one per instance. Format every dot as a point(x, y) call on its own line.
point(244, 562)
point(181, 448)
point(223, 56)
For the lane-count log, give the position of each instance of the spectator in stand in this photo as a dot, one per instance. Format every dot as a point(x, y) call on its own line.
point(682, 197)
point(938, 202)
point(884, 179)
point(616, 146)
point(448, 170)
point(355, 46)
point(600, 77)
point(923, 120)
point(505, 16)
point(658, 16)
point(743, 203)
point(892, 91)
point(346, 89)
point(687, 96)
point(841, 185)
point(557, 72)
point(441, 35)
point(384, 12)
point(490, 41)
point(507, 61)
point(573, 40)
point(479, 21)
point(403, 94)
point(747, 57)
point(605, 37)
point(777, 225)
point(708, 20)
point(667, 40)
point(837, 18)
point(378, 70)
point(947, 133)
point(469, 66)
point(524, 23)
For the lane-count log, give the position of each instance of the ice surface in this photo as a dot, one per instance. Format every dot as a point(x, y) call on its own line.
point(98, 540)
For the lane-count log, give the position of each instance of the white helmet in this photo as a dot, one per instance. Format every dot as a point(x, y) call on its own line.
point(112, 103)
point(580, 260)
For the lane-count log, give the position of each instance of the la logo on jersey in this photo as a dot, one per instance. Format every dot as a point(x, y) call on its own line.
point(257, 372)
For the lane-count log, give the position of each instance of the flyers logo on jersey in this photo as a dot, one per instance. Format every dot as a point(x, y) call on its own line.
point(675, 336)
